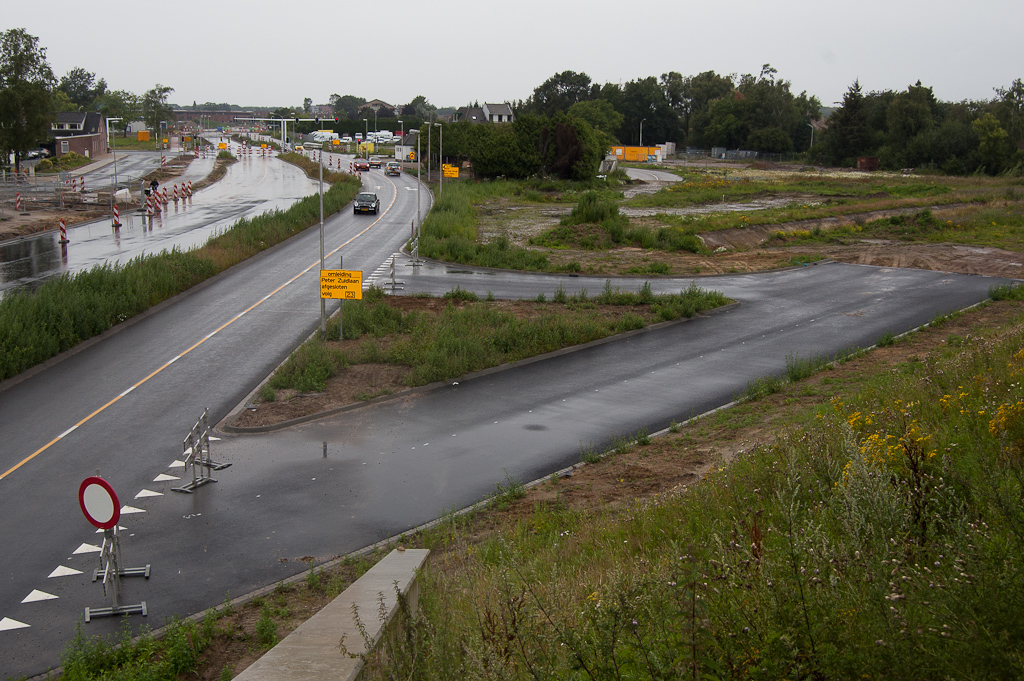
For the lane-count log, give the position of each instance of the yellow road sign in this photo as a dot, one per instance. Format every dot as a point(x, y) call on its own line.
point(343, 284)
point(450, 170)
point(222, 145)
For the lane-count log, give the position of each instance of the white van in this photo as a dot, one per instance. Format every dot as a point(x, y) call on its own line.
point(385, 137)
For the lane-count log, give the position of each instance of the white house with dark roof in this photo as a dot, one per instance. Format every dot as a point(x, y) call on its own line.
point(488, 113)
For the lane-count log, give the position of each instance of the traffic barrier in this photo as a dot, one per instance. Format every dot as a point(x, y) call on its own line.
point(81, 184)
point(17, 201)
point(149, 206)
point(166, 199)
point(63, 232)
point(163, 160)
point(175, 190)
point(117, 217)
point(190, 188)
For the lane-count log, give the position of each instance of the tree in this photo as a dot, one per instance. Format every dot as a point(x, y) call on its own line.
point(694, 96)
point(81, 87)
point(847, 134)
point(119, 104)
point(644, 100)
point(25, 100)
point(992, 142)
point(601, 116)
point(154, 107)
point(558, 93)
point(307, 105)
point(347, 106)
point(421, 107)
point(1010, 110)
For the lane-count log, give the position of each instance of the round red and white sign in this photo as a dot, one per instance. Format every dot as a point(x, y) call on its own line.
point(99, 502)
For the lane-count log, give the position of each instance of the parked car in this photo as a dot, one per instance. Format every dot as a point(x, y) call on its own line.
point(366, 202)
point(393, 168)
point(375, 162)
point(37, 153)
point(346, 140)
point(362, 164)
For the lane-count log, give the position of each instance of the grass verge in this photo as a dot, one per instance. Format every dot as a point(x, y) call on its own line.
point(468, 335)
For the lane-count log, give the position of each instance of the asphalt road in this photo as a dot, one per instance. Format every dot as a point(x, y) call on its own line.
point(122, 406)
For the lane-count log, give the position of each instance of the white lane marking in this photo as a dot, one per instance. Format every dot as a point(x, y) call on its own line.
point(127, 391)
point(61, 571)
point(131, 509)
point(87, 548)
point(165, 478)
point(68, 431)
point(148, 493)
point(6, 624)
point(177, 464)
point(38, 595)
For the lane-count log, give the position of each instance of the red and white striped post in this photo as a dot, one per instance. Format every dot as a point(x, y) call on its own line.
point(190, 188)
point(163, 160)
point(116, 216)
point(175, 190)
point(63, 232)
point(17, 201)
point(149, 206)
point(81, 183)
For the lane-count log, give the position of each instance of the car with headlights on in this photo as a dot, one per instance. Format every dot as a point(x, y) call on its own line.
point(375, 162)
point(361, 164)
point(366, 202)
point(393, 168)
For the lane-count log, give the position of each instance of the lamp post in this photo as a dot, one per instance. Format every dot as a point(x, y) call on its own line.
point(812, 137)
point(440, 159)
point(642, 131)
point(114, 148)
point(323, 303)
point(366, 131)
point(403, 140)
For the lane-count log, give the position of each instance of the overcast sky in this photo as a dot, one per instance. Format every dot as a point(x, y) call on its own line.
point(262, 53)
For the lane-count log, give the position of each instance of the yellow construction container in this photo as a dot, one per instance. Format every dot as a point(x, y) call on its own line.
point(636, 154)
point(143, 135)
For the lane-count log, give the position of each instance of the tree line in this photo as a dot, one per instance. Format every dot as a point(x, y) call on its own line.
point(906, 128)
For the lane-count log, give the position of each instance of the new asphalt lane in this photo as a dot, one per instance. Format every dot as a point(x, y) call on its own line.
point(331, 486)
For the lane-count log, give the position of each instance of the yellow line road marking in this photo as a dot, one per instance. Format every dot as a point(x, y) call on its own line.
point(195, 345)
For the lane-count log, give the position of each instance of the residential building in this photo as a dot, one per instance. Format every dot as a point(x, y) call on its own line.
point(84, 133)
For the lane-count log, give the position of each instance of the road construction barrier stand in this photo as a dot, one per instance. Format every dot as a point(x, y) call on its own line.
point(164, 197)
point(196, 454)
point(116, 216)
point(149, 206)
point(395, 285)
point(175, 190)
point(81, 184)
point(17, 201)
point(103, 510)
point(163, 160)
point(190, 188)
point(63, 232)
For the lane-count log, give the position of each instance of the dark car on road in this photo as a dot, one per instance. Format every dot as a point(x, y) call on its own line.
point(393, 168)
point(366, 202)
point(362, 164)
point(375, 161)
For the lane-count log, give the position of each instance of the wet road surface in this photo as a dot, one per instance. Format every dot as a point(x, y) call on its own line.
point(252, 186)
point(336, 485)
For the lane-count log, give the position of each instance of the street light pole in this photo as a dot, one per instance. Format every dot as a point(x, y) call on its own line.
point(403, 138)
point(323, 303)
point(440, 159)
point(366, 132)
point(114, 147)
point(642, 131)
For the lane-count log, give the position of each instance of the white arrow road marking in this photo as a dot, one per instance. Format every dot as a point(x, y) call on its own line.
point(38, 595)
point(177, 464)
point(165, 478)
point(6, 624)
point(131, 509)
point(119, 528)
point(87, 548)
point(61, 571)
point(148, 493)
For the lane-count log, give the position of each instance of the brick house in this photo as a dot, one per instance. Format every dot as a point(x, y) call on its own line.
point(84, 133)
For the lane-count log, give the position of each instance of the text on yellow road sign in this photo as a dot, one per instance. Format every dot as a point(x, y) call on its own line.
point(343, 284)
